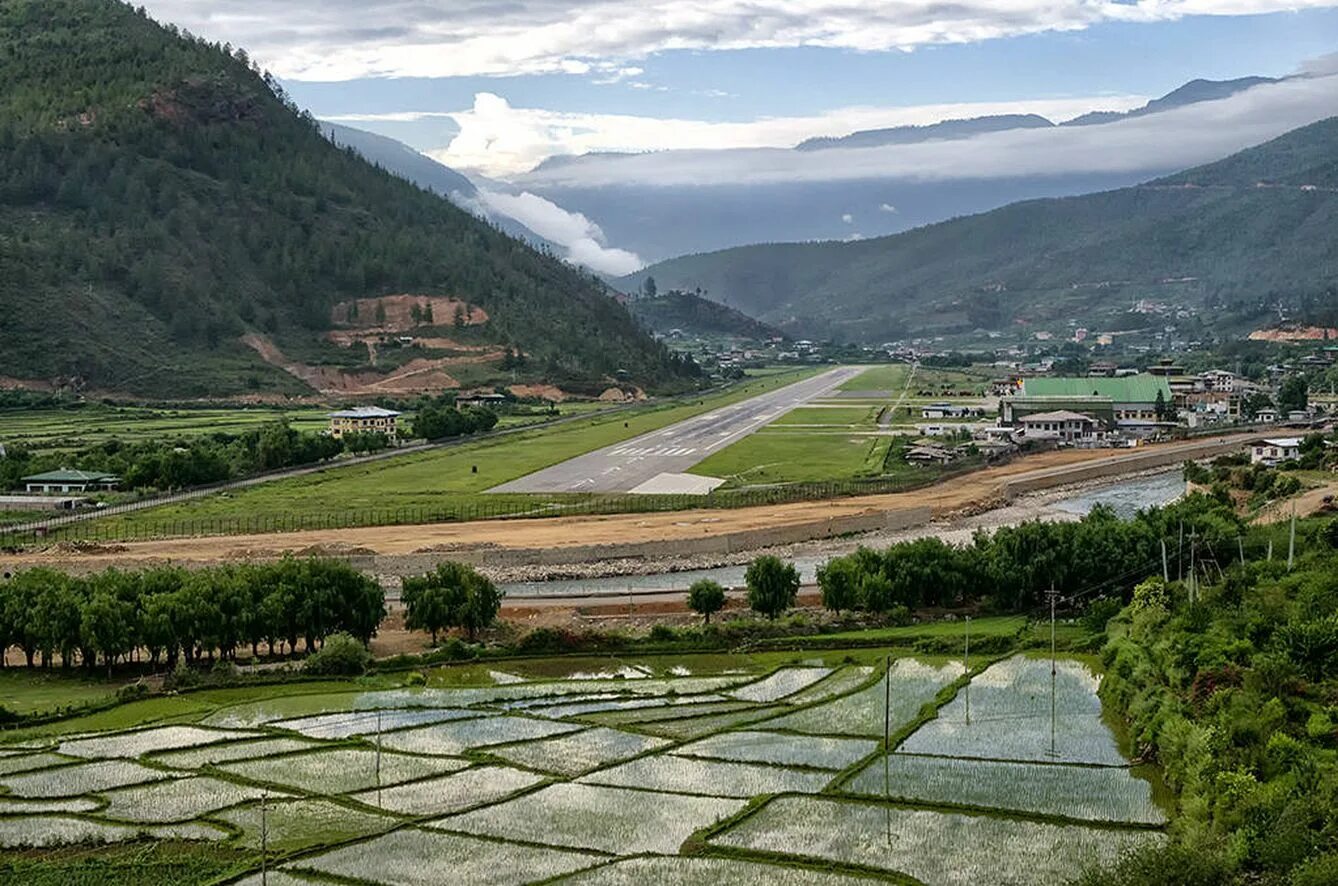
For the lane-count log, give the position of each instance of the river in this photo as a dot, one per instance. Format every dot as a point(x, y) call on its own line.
point(1124, 496)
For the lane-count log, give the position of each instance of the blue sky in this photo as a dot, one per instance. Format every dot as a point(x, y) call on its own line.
point(535, 78)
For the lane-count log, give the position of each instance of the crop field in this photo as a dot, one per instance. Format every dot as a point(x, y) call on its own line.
point(776, 776)
point(932, 846)
point(1010, 717)
point(89, 424)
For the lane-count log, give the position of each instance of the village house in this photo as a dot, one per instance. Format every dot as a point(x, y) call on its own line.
point(67, 480)
point(485, 400)
point(364, 419)
point(1275, 450)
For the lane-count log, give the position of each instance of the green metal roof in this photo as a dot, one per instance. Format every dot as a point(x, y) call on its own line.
point(68, 476)
point(1130, 389)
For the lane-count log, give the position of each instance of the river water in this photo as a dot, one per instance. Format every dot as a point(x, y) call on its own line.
point(1126, 497)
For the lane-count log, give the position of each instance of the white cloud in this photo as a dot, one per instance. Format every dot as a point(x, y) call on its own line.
point(887, 207)
point(1169, 140)
point(848, 219)
point(335, 40)
point(497, 139)
point(582, 238)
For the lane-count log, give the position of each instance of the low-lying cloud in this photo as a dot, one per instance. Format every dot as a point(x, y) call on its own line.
point(499, 140)
point(581, 238)
point(1169, 140)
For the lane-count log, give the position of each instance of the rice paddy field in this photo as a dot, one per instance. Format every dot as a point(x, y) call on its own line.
point(777, 775)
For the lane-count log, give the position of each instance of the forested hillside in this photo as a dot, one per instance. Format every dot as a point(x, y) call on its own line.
point(159, 199)
point(1227, 240)
point(694, 314)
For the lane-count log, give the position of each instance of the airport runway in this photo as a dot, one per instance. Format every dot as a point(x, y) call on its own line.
point(655, 462)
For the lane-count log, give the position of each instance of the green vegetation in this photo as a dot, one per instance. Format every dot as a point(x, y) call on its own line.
point(889, 377)
point(772, 585)
point(176, 615)
point(442, 481)
point(1233, 245)
point(161, 197)
point(695, 315)
point(453, 596)
point(706, 597)
point(1232, 692)
point(795, 456)
point(59, 424)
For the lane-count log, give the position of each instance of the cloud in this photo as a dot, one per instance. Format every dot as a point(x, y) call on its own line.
point(1170, 140)
point(582, 238)
point(887, 207)
point(496, 139)
point(332, 40)
point(848, 219)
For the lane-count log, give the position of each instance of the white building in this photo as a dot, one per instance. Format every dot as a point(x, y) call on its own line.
point(1275, 450)
point(1068, 427)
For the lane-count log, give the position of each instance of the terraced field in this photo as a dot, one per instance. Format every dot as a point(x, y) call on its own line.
point(780, 777)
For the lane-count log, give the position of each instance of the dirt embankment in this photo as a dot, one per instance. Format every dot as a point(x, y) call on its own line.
point(966, 494)
point(1296, 333)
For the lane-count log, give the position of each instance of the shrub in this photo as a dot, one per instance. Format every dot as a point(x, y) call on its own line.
point(663, 634)
point(415, 678)
point(1099, 612)
point(341, 655)
point(132, 691)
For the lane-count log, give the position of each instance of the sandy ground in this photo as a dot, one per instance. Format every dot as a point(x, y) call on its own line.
point(1309, 502)
point(967, 494)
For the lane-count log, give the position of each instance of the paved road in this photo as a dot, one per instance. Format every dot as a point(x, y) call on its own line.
point(637, 465)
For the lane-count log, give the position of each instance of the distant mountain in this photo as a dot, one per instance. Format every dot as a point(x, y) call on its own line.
point(1191, 93)
point(1223, 240)
point(909, 135)
point(695, 315)
point(398, 158)
point(172, 227)
point(669, 203)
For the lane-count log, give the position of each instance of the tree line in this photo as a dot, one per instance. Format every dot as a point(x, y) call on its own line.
point(1012, 568)
point(177, 463)
point(172, 615)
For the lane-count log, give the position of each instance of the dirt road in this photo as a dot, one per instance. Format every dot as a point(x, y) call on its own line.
point(971, 492)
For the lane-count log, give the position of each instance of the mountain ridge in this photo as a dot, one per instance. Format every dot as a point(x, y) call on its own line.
point(1218, 238)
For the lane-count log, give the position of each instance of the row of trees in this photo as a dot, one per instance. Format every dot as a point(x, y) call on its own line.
point(1011, 568)
point(176, 463)
point(438, 421)
point(171, 614)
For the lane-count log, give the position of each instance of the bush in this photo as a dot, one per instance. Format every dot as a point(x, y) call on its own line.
point(1099, 612)
point(663, 634)
point(341, 655)
point(415, 678)
point(133, 691)
point(183, 677)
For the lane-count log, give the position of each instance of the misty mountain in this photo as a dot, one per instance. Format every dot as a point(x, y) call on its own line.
point(1225, 240)
point(909, 135)
point(668, 203)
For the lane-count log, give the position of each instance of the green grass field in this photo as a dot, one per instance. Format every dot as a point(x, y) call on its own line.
point(836, 416)
point(73, 428)
point(455, 477)
point(796, 456)
point(889, 377)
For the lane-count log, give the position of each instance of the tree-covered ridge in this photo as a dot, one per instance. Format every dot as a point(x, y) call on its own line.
point(693, 313)
point(159, 198)
point(1228, 240)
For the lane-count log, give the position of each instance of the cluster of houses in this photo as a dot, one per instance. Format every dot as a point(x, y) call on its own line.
point(1108, 407)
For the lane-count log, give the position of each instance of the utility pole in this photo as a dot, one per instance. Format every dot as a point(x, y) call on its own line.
point(887, 748)
point(264, 840)
point(1180, 555)
point(966, 659)
point(1240, 543)
point(1054, 671)
point(1165, 566)
point(1291, 540)
point(1270, 550)
point(1193, 549)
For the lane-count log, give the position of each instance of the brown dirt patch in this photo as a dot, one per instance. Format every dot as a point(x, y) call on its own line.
point(543, 392)
point(419, 376)
point(398, 311)
point(1295, 333)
